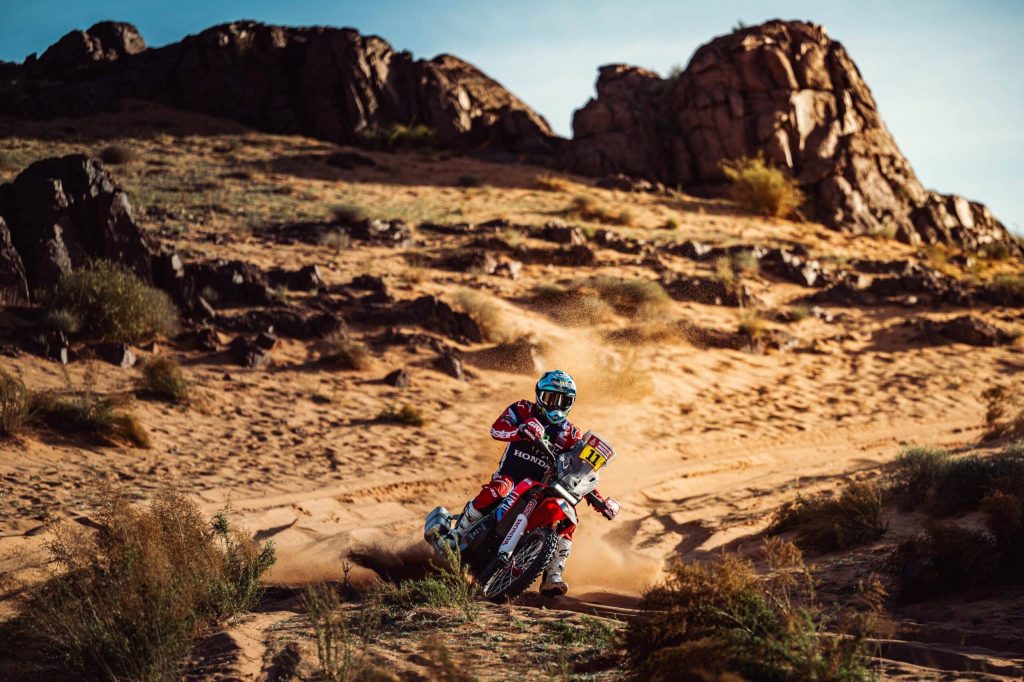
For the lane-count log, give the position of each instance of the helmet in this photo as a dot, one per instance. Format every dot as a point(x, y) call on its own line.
point(556, 393)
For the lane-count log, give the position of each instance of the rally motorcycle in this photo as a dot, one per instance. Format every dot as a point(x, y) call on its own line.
point(508, 548)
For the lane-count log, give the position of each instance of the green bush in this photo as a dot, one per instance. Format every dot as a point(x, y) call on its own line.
point(128, 600)
point(398, 136)
point(827, 523)
point(162, 377)
point(113, 304)
point(763, 189)
point(944, 558)
point(15, 404)
point(718, 619)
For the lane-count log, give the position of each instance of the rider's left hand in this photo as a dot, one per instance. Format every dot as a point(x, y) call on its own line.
point(610, 508)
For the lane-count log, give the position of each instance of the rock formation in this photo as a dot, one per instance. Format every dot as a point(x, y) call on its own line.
point(62, 212)
point(785, 90)
point(334, 84)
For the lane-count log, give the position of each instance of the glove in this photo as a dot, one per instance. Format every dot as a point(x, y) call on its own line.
point(610, 508)
point(531, 430)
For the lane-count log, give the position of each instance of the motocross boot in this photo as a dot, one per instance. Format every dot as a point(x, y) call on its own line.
point(470, 515)
point(552, 585)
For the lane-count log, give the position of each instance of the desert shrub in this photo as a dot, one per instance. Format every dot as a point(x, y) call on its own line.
point(162, 377)
point(746, 263)
point(717, 619)
point(8, 161)
point(552, 183)
point(485, 312)
point(406, 414)
point(106, 419)
point(997, 251)
point(336, 239)
point(944, 558)
point(574, 305)
point(469, 180)
point(447, 587)
point(671, 223)
point(61, 320)
point(723, 270)
point(1004, 412)
point(752, 324)
point(1009, 285)
point(827, 523)
point(631, 297)
point(398, 136)
point(587, 207)
point(113, 304)
point(128, 600)
point(349, 214)
point(343, 352)
point(342, 639)
point(761, 188)
point(117, 154)
point(944, 485)
point(798, 313)
point(15, 404)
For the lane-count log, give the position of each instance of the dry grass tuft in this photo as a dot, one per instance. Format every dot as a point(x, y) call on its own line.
point(113, 304)
point(553, 183)
point(349, 214)
point(1004, 413)
point(762, 189)
point(107, 419)
point(408, 415)
point(128, 600)
point(117, 154)
point(341, 351)
point(15, 405)
point(162, 377)
point(827, 523)
point(586, 207)
point(578, 306)
point(718, 619)
point(752, 324)
point(635, 298)
point(486, 312)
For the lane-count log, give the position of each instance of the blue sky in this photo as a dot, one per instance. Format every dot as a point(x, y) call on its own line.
point(948, 76)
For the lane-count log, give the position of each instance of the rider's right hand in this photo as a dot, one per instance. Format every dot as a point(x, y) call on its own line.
point(531, 430)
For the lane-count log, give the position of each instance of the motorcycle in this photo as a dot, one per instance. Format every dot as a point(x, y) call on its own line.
point(508, 548)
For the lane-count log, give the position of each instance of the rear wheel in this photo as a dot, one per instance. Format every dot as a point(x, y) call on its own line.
point(508, 579)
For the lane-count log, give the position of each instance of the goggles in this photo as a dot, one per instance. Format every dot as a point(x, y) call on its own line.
point(553, 400)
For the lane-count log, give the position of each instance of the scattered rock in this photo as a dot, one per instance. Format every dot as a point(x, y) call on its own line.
point(965, 329)
point(382, 232)
point(295, 324)
point(470, 260)
point(209, 340)
point(794, 268)
point(707, 290)
point(228, 283)
point(118, 354)
point(307, 278)
point(430, 312)
point(398, 378)
point(625, 183)
point(248, 353)
point(450, 364)
point(560, 233)
point(267, 341)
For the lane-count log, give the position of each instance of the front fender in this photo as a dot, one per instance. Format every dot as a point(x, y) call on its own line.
point(550, 512)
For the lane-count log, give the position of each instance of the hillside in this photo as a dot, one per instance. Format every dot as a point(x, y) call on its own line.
point(720, 411)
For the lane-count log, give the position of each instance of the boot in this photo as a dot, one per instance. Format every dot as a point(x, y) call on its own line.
point(470, 515)
point(552, 585)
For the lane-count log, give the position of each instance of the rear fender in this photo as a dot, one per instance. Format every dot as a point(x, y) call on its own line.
point(549, 513)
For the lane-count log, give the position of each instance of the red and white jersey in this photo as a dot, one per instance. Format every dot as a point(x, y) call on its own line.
point(506, 427)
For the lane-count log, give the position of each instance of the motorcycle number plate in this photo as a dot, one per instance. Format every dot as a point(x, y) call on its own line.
point(590, 455)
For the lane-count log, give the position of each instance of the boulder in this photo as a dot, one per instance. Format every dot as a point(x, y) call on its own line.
point(787, 91)
point(117, 354)
point(247, 353)
point(398, 378)
point(63, 212)
point(706, 290)
point(13, 284)
point(450, 364)
point(560, 233)
point(224, 283)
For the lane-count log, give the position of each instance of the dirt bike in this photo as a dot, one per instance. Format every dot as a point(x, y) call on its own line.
point(508, 548)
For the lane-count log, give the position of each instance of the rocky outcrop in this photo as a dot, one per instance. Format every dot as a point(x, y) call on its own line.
point(63, 212)
point(13, 284)
point(789, 92)
point(330, 83)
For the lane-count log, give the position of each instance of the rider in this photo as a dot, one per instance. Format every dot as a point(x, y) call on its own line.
point(522, 424)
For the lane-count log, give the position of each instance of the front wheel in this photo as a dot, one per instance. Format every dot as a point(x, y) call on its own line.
point(508, 579)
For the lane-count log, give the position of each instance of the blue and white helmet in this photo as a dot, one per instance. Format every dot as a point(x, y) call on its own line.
point(556, 393)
